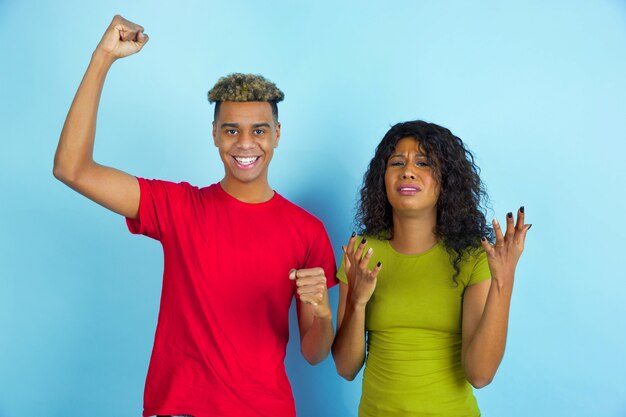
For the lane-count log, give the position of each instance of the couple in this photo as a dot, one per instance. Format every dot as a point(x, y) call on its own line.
point(423, 282)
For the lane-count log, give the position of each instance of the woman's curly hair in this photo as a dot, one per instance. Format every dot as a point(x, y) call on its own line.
point(462, 196)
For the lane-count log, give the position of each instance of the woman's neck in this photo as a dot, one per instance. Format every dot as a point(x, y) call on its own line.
point(414, 234)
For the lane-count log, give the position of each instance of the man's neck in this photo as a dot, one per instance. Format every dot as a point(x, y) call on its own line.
point(253, 192)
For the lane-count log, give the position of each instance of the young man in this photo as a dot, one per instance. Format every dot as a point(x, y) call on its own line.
point(235, 252)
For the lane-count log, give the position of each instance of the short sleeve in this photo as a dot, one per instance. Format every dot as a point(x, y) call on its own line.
point(321, 255)
point(158, 203)
point(341, 272)
point(481, 271)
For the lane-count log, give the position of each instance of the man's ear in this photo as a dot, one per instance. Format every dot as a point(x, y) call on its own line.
point(277, 135)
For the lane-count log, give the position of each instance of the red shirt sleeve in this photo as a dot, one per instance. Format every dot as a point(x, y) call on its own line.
point(158, 204)
point(321, 255)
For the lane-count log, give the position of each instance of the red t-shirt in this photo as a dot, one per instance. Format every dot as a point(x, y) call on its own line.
point(223, 327)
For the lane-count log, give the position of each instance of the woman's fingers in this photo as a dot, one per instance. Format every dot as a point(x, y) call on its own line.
point(359, 258)
point(498, 232)
point(519, 224)
point(374, 272)
point(366, 259)
point(521, 228)
point(510, 227)
point(486, 245)
point(346, 260)
point(350, 246)
point(515, 231)
point(358, 255)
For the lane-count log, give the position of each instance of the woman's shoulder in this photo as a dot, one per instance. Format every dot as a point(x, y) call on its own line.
point(474, 254)
point(373, 241)
point(474, 263)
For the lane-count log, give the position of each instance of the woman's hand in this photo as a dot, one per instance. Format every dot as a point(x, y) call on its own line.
point(505, 253)
point(361, 280)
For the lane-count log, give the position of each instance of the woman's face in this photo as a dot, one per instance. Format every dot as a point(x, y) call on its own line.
point(410, 180)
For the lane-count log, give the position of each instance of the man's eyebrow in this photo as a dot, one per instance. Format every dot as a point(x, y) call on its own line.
point(236, 125)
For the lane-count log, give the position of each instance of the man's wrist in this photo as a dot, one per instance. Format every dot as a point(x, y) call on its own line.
point(102, 58)
point(325, 315)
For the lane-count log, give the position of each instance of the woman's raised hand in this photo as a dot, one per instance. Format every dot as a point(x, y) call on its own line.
point(504, 254)
point(361, 279)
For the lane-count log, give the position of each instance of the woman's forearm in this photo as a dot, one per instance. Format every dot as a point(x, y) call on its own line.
point(486, 349)
point(349, 346)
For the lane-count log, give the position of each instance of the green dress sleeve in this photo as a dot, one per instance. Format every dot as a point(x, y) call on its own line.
point(481, 271)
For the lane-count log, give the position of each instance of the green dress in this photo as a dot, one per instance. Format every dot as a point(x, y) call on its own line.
point(413, 323)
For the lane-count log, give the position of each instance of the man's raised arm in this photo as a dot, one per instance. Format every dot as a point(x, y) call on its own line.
point(73, 161)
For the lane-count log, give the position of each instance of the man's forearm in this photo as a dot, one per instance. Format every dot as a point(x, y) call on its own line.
point(316, 343)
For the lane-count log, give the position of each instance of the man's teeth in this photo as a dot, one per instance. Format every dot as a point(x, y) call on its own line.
point(247, 160)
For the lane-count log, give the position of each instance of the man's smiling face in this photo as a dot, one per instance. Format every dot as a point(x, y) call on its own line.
point(246, 134)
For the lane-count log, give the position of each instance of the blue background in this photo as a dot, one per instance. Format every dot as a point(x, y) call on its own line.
point(536, 89)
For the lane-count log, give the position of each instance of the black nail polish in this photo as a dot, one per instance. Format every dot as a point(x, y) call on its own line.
point(353, 234)
point(509, 215)
point(529, 226)
point(363, 241)
point(379, 264)
point(521, 209)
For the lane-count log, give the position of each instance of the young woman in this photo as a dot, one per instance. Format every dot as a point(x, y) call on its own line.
point(424, 283)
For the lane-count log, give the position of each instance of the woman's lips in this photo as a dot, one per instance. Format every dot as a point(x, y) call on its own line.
point(406, 189)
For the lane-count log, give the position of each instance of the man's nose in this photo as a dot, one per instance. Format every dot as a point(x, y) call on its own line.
point(245, 140)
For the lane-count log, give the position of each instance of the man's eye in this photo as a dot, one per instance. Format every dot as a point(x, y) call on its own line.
point(259, 131)
point(231, 132)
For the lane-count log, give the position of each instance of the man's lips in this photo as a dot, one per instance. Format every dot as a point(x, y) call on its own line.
point(408, 189)
point(245, 162)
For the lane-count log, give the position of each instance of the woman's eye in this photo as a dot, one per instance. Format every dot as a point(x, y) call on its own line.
point(422, 164)
point(396, 163)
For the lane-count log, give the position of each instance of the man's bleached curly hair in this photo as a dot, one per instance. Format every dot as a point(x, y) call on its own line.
point(245, 87)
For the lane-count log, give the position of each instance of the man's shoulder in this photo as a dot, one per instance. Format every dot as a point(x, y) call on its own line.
point(173, 184)
point(177, 191)
point(297, 213)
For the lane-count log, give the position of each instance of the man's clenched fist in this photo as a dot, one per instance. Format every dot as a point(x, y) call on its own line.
point(312, 289)
point(122, 38)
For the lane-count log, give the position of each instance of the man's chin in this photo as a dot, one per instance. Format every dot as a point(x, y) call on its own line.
point(238, 178)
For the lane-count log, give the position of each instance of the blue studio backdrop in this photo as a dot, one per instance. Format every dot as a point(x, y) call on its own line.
point(536, 89)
